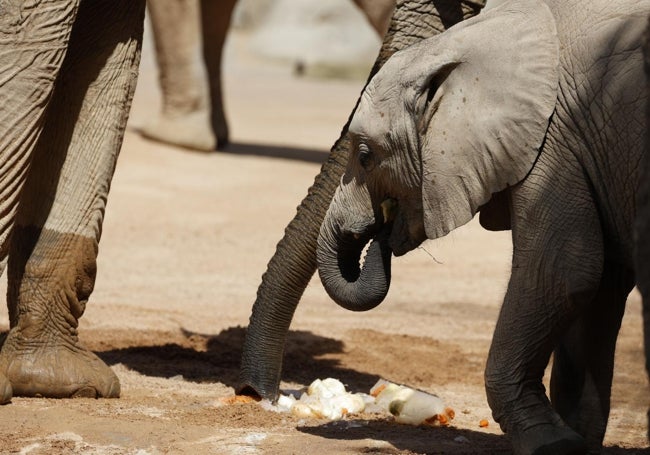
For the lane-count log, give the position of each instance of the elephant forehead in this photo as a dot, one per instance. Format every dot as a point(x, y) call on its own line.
point(378, 117)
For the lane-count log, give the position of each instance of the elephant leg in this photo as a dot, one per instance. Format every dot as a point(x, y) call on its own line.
point(215, 22)
point(556, 272)
point(183, 120)
point(33, 49)
point(53, 248)
point(583, 363)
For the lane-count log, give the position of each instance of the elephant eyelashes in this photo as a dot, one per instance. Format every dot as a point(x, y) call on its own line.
point(366, 158)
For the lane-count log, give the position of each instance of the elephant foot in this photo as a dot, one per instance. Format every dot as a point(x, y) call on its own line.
point(5, 390)
point(192, 131)
point(548, 439)
point(60, 371)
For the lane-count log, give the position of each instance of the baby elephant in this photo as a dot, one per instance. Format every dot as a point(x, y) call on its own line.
point(531, 114)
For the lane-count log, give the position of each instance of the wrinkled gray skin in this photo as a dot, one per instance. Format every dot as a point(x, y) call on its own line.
point(294, 261)
point(643, 220)
point(67, 77)
point(182, 120)
point(531, 113)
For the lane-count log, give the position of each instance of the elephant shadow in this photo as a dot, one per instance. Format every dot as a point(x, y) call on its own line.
point(216, 358)
point(427, 440)
point(414, 439)
point(277, 151)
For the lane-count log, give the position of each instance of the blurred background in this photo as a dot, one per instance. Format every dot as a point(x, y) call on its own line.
point(279, 59)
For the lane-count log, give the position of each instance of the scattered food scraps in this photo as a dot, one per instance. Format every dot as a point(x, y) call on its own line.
point(411, 406)
point(238, 399)
point(328, 399)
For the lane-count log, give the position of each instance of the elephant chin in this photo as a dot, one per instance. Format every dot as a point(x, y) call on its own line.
point(352, 286)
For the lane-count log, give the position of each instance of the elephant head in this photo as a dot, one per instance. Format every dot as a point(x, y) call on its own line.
point(442, 127)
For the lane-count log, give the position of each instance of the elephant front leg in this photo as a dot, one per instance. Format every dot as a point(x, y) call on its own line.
point(33, 49)
point(184, 117)
point(51, 276)
point(556, 272)
point(583, 363)
point(54, 243)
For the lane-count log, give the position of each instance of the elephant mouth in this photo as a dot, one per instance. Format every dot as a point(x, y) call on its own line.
point(353, 283)
point(352, 246)
point(404, 234)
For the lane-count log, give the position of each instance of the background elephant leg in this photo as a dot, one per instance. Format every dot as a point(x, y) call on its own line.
point(294, 261)
point(378, 13)
point(583, 363)
point(556, 271)
point(33, 49)
point(215, 22)
point(54, 243)
point(183, 120)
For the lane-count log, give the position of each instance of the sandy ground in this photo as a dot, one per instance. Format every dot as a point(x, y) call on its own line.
point(187, 237)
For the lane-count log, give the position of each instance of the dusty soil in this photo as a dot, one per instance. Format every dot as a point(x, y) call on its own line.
point(187, 237)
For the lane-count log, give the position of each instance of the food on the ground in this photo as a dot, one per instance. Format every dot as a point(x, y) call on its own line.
point(483, 423)
point(328, 399)
point(411, 406)
point(239, 399)
point(324, 399)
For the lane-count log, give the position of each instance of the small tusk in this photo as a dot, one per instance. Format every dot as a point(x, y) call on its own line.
point(389, 209)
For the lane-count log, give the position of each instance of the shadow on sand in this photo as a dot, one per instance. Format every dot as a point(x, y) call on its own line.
point(415, 439)
point(276, 151)
point(205, 358)
point(425, 440)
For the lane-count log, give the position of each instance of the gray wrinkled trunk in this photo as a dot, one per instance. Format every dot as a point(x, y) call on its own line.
point(351, 286)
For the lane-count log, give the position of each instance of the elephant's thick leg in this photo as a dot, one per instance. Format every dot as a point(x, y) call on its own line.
point(34, 44)
point(556, 271)
point(215, 22)
point(294, 261)
point(54, 244)
point(583, 363)
point(184, 116)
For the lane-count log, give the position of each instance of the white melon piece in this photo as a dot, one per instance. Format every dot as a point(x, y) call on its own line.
point(286, 402)
point(326, 388)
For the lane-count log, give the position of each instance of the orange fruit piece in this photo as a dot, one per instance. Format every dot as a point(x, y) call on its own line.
point(239, 399)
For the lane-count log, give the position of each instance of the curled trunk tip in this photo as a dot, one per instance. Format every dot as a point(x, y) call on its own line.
point(351, 286)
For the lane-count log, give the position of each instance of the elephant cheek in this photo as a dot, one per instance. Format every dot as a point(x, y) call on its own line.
point(407, 232)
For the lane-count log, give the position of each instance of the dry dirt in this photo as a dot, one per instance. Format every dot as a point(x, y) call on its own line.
point(187, 237)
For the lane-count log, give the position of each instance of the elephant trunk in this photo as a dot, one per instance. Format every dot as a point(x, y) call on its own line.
point(294, 261)
point(352, 286)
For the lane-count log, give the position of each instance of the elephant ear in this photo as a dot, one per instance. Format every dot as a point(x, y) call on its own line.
point(483, 108)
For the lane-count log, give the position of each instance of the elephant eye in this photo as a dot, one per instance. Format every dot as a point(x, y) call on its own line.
point(365, 157)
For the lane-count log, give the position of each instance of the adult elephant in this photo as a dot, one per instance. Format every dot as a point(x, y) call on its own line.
point(530, 113)
point(185, 108)
point(294, 261)
point(68, 74)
